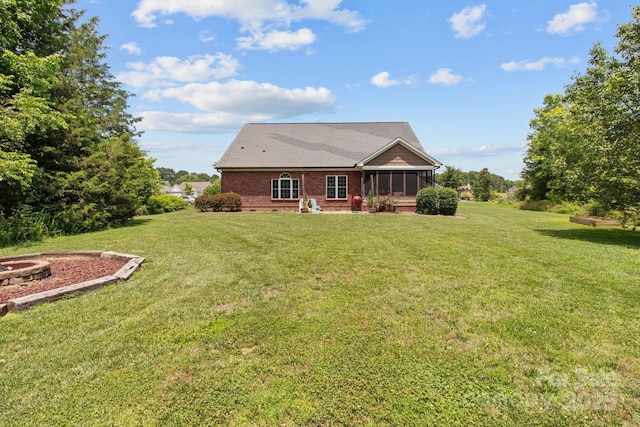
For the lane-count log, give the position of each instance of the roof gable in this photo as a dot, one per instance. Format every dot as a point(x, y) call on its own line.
point(404, 146)
point(314, 145)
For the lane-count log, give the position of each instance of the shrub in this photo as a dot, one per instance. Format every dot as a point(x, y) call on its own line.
point(385, 204)
point(447, 201)
point(161, 203)
point(208, 202)
point(569, 208)
point(25, 226)
point(232, 202)
point(229, 202)
point(594, 208)
point(427, 201)
point(437, 201)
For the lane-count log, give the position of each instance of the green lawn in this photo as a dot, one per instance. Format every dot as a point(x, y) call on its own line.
point(501, 317)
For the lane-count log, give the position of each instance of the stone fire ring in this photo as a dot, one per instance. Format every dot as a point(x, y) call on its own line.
point(23, 303)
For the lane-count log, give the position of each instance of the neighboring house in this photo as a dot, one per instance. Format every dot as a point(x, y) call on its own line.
point(272, 165)
point(178, 189)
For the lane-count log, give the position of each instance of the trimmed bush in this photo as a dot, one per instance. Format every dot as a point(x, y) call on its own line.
point(208, 202)
point(228, 202)
point(437, 201)
point(427, 201)
point(448, 201)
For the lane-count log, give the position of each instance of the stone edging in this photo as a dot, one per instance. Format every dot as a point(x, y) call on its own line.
point(23, 303)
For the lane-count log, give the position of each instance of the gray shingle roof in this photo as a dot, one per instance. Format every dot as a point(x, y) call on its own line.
point(308, 145)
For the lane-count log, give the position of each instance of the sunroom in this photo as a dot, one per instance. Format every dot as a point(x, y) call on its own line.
point(398, 170)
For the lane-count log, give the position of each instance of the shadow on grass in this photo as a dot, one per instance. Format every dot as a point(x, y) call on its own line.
point(134, 223)
point(627, 238)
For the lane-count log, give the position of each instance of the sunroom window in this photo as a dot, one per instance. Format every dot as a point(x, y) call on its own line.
point(397, 183)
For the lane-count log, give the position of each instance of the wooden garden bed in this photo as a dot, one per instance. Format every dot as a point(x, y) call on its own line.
point(595, 221)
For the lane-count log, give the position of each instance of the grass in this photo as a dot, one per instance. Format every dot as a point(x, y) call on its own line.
point(501, 317)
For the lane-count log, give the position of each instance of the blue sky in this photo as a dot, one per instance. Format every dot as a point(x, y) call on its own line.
point(466, 75)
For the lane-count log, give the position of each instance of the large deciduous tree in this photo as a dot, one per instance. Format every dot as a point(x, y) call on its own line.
point(584, 145)
point(605, 100)
point(554, 145)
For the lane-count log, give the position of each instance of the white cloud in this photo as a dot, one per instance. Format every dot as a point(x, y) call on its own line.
point(131, 48)
point(169, 70)
point(538, 65)
point(232, 104)
point(267, 21)
point(328, 10)
point(573, 20)
point(469, 22)
point(251, 98)
point(206, 36)
point(446, 77)
point(277, 40)
point(215, 123)
point(384, 80)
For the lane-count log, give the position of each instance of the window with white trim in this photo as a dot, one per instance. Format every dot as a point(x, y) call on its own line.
point(336, 186)
point(285, 187)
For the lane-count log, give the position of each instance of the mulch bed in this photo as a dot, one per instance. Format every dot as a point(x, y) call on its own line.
point(65, 271)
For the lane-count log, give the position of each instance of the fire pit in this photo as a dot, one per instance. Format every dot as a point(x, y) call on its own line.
point(32, 279)
point(22, 272)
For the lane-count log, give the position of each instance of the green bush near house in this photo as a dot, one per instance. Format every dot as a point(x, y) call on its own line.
point(437, 201)
point(427, 201)
point(227, 202)
point(448, 201)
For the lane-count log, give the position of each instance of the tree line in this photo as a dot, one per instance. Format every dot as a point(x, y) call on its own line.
point(583, 146)
point(69, 159)
point(484, 184)
point(172, 177)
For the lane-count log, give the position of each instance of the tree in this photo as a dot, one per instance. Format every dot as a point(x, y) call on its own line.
point(192, 177)
point(605, 100)
point(584, 144)
point(451, 177)
point(16, 176)
point(180, 173)
point(64, 114)
point(188, 189)
point(554, 144)
point(214, 188)
point(167, 174)
point(482, 186)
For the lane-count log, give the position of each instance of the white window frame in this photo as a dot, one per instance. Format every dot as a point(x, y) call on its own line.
point(336, 186)
point(293, 187)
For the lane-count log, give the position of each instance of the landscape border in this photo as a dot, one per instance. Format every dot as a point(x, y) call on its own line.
point(28, 301)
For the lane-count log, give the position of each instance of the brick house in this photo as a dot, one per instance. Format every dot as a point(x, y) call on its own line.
point(272, 165)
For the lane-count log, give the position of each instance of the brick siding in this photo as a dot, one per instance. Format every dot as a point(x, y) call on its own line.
point(255, 189)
